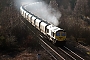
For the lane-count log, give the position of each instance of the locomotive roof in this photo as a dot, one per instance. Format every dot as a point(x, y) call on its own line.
point(54, 29)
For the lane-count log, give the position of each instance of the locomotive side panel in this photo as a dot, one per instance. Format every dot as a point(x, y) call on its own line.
point(49, 30)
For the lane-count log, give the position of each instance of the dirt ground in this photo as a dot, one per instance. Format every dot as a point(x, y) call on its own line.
point(27, 54)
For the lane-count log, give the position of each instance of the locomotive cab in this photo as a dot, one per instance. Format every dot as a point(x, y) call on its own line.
point(60, 35)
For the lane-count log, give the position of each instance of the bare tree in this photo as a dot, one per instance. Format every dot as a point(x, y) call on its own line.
point(81, 7)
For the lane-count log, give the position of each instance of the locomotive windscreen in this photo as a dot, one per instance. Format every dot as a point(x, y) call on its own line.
point(58, 34)
point(61, 33)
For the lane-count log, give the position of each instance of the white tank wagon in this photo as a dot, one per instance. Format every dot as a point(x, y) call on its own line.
point(37, 21)
point(55, 34)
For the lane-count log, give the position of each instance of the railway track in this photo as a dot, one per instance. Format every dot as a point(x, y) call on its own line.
point(50, 50)
point(59, 52)
point(64, 51)
point(70, 53)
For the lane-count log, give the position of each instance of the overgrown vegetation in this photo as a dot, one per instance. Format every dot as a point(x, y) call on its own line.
point(14, 34)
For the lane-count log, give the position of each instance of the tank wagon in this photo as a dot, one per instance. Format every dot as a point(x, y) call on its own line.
point(55, 34)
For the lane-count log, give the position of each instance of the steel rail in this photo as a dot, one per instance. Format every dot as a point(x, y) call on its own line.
point(74, 53)
point(52, 50)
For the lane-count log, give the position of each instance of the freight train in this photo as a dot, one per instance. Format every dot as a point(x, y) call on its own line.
point(55, 34)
